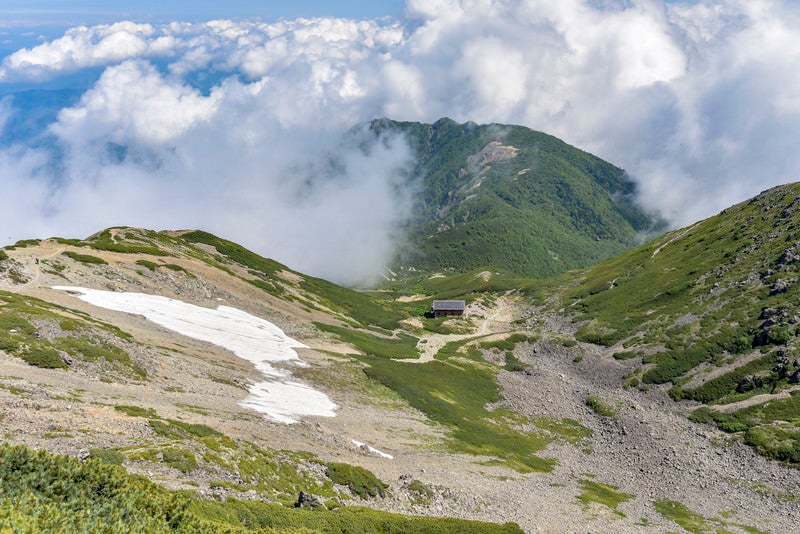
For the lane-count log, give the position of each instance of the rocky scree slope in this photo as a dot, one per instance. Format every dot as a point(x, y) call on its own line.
point(712, 311)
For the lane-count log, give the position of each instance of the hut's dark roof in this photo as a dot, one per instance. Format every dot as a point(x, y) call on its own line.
point(448, 305)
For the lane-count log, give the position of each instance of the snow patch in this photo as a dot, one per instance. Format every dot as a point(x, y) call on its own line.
point(371, 449)
point(247, 336)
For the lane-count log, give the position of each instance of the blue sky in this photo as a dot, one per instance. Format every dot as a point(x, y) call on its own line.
point(58, 12)
point(173, 121)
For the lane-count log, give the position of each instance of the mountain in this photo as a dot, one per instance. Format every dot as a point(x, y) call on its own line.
point(194, 385)
point(712, 310)
point(512, 198)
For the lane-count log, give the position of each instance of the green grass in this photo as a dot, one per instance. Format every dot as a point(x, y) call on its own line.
point(135, 411)
point(455, 394)
point(683, 516)
point(604, 494)
point(109, 456)
point(403, 346)
point(696, 523)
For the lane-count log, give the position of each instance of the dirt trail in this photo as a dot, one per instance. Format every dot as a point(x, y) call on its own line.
point(496, 322)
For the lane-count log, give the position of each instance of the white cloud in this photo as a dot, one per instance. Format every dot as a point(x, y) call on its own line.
point(132, 103)
point(85, 47)
point(698, 100)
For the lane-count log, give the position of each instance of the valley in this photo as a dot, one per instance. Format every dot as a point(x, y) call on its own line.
point(505, 416)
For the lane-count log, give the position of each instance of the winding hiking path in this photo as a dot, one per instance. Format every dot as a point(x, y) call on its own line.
point(496, 322)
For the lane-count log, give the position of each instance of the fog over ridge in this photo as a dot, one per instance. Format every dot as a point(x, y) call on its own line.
point(229, 125)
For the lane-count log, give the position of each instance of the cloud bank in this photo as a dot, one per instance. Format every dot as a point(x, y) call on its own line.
point(229, 125)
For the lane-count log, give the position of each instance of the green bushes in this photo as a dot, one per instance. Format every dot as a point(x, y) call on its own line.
point(782, 444)
point(513, 364)
point(674, 363)
point(41, 492)
point(725, 385)
point(84, 258)
point(172, 429)
point(595, 333)
point(234, 252)
point(360, 481)
point(147, 264)
point(769, 427)
point(181, 459)
point(349, 519)
point(601, 408)
point(508, 343)
point(105, 241)
point(91, 349)
point(42, 356)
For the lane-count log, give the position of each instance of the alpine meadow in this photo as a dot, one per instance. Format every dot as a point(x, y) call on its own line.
point(496, 266)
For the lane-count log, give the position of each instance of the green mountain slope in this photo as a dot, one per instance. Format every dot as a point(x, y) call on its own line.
point(711, 308)
point(512, 198)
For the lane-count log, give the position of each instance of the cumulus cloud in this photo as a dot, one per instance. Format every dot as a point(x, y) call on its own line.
point(230, 125)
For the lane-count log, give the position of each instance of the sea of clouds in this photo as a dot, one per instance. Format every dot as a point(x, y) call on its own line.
point(230, 126)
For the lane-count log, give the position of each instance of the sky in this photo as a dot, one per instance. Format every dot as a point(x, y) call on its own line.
point(87, 12)
point(229, 116)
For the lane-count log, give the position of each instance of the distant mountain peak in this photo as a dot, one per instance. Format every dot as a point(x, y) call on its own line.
point(505, 196)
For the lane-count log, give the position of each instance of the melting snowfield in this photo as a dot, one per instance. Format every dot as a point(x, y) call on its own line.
point(247, 336)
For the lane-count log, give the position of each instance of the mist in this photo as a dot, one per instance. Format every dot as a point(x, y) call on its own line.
point(240, 127)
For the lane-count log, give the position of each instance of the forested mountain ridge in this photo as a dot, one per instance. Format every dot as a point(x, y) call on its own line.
point(512, 198)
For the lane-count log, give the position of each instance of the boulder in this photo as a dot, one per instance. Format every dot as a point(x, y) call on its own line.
point(307, 500)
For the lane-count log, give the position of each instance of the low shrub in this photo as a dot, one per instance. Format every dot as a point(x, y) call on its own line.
point(360, 481)
point(84, 258)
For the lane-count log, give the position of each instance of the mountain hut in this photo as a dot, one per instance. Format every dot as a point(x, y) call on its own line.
point(448, 308)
